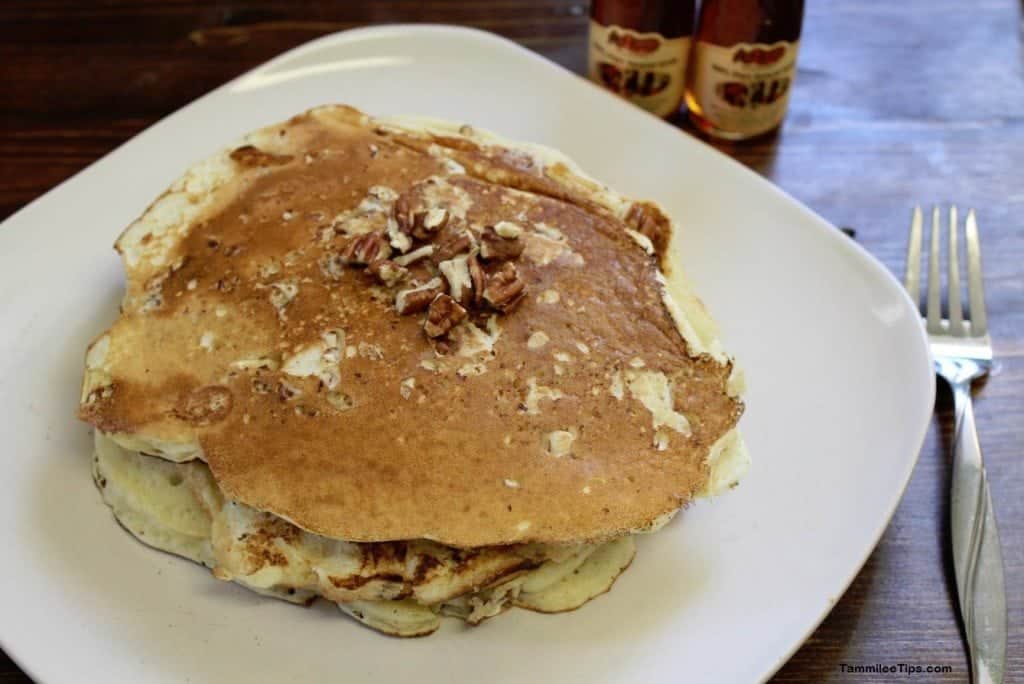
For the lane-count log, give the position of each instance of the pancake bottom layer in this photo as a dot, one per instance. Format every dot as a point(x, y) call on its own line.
point(399, 588)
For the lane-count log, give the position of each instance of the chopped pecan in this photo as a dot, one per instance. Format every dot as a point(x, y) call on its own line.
point(451, 247)
point(456, 272)
point(415, 255)
point(504, 288)
point(402, 211)
point(435, 219)
point(477, 277)
point(416, 219)
point(399, 240)
point(388, 272)
point(442, 346)
point(443, 315)
point(365, 249)
point(494, 246)
point(418, 298)
point(648, 220)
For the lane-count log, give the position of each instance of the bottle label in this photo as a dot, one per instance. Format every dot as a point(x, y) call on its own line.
point(647, 69)
point(743, 88)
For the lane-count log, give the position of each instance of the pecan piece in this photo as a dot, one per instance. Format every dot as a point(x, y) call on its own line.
point(399, 240)
point(413, 218)
point(433, 220)
point(418, 298)
point(415, 255)
point(365, 249)
point(648, 220)
point(477, 278)
point(443, 315)
point(460, 284)
point(494, 246)
point(403, 213)
point(504, 288)
point(458, 243)
point(442, 346)
point(388, 272)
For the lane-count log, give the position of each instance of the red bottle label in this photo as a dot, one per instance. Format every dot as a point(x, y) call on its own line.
point(647, 69)
point(745, 87)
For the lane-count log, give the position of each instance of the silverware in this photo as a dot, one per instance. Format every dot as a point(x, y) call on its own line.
point(962, 351)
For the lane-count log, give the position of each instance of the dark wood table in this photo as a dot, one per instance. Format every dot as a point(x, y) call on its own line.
point(895, 103)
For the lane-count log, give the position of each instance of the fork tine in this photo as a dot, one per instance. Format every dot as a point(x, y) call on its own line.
point(934, 305)
point(956, 314)
point(975, 288)
point(912, 276)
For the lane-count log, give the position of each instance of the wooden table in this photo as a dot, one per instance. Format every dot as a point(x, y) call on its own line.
point(895, 103)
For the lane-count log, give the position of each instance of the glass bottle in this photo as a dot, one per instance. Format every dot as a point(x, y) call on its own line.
point(742, 66)
point(639, 49)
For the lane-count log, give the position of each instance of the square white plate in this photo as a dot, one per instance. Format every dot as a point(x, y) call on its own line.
point(841, 390)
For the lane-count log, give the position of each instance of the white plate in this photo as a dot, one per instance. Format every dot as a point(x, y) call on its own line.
point(840, 394)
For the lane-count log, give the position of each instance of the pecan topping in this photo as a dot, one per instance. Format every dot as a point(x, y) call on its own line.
point(365, 249)
point(413, 218)
point(403, 213)
point(443, 315)
point(420, 231)
point(442, 346)
point(458, 243)
point(494, 246)
point(415, 255)
point(504, 288)
point(648, 220)
point(456, 272)
point(418, 298)
point(399, 240)
point(477, 277)
point(388, 272)
point(435, 219)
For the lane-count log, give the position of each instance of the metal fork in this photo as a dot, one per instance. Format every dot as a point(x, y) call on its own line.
point(962, 351)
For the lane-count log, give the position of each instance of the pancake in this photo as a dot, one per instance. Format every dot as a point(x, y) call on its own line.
point(399, 588)
point(568, 388)
point(409, 367)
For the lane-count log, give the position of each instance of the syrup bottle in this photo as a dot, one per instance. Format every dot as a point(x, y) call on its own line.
point(742, 66)
point(639, 49)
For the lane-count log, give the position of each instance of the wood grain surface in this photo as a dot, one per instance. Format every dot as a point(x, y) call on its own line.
point(895, 103)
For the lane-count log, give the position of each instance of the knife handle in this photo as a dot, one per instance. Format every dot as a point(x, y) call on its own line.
point(977, 558)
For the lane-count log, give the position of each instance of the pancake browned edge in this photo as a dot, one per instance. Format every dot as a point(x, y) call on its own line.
point(407, 366)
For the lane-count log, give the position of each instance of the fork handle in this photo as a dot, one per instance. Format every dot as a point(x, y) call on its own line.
point(977, 558)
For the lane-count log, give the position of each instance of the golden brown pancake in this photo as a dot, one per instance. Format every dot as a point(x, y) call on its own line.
point(563, 398)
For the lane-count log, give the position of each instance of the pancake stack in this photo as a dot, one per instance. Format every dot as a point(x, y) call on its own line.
point(408, 367)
